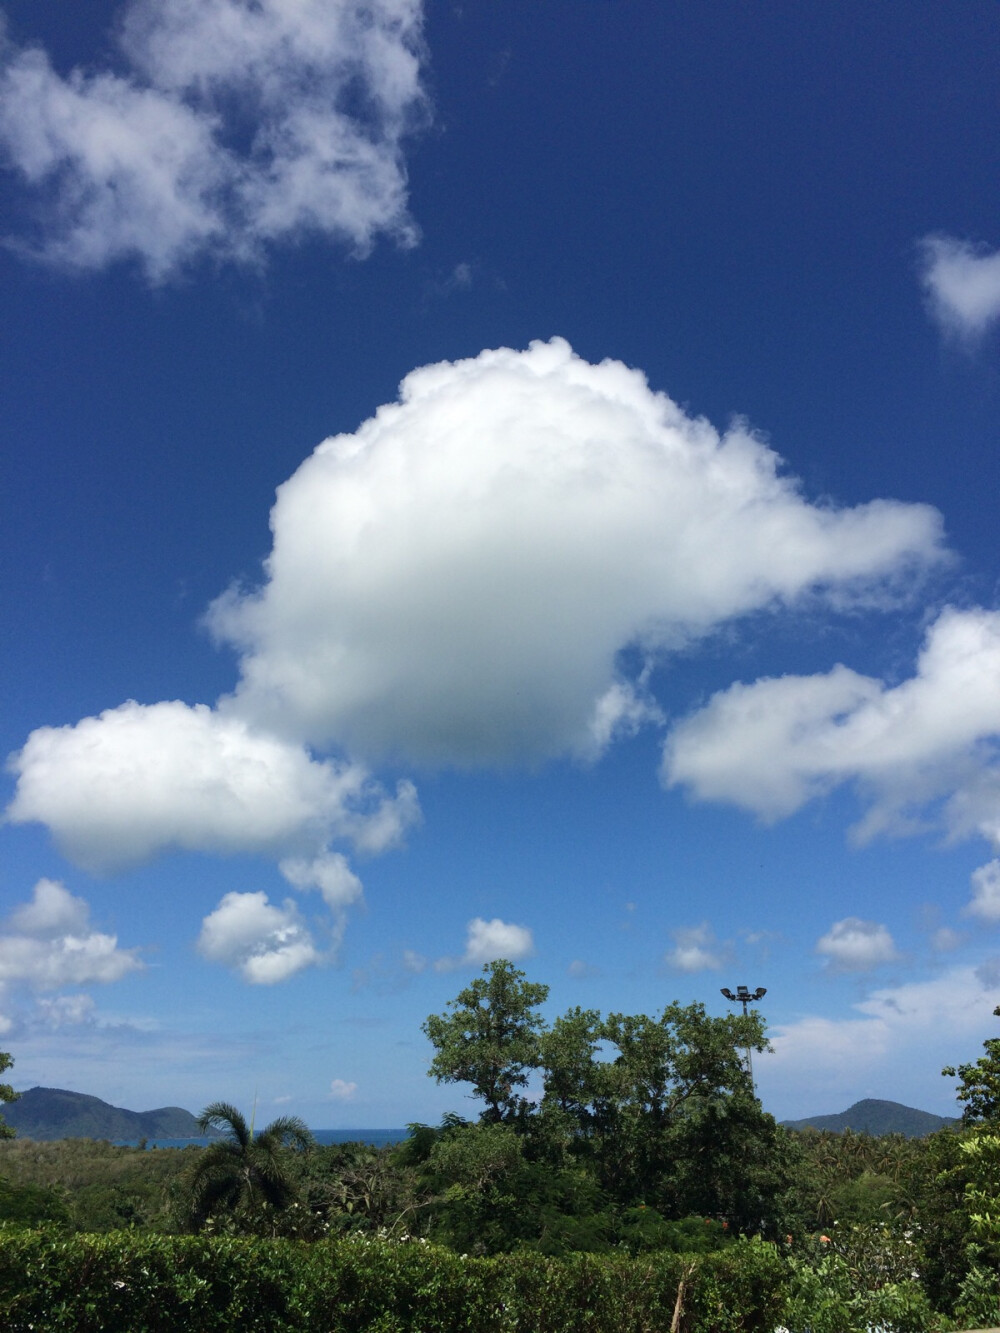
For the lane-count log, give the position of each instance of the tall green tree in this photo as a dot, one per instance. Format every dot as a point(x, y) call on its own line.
point(7, 1094)
point(244, 1179)
point(490, 1038)
point(675, 1093)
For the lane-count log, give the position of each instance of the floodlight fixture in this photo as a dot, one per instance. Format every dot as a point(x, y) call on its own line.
point(744, 995)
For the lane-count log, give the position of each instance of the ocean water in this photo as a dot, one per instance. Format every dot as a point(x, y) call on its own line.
point(377, 1137)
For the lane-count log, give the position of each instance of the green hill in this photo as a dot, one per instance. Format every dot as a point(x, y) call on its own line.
point(872, 1116)
point(54, 1113)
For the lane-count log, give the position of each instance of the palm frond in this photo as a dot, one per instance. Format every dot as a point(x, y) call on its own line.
point(224, 1116)
point(288, 1131)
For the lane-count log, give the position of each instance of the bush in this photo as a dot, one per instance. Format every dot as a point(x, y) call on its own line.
point(176, 1284)
point(863, 1279)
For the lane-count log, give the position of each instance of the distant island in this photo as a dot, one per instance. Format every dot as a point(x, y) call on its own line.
point(55, 1113)
point(873, 1116)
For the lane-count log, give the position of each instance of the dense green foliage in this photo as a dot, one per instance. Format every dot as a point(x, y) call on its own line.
point(634, 1112)
point(95, 1186)
point(157, 1284)
point(243, 1181)
point(622, 1175)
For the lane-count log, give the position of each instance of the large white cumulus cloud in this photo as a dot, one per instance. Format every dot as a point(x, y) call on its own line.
point(235, 124)
point(120, 788)
point(455, 582)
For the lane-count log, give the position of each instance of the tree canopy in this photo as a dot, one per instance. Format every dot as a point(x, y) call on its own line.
point(7, 1094)
point(490, 1038)
point(626, 1110)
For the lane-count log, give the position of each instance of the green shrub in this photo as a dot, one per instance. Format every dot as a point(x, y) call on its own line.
point(866, 1277)
point(52, 1283)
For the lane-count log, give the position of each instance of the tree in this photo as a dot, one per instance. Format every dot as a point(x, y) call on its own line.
point(980, 1083)
point(490, 1038)
point(674, 1104)
point(7, 1094)
point(245, 1175)
point(635, 1110)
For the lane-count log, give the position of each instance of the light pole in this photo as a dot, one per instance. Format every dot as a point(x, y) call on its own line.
point(745, 996)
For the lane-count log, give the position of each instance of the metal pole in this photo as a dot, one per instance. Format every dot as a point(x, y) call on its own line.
point(745, 996)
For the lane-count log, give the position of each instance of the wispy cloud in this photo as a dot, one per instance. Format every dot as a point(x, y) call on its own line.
point(234, 126)
point(695, 950)
point(48, 944)
point(917, 1025)
point(985, 901)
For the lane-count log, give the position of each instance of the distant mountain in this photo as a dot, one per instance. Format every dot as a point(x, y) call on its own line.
point(872, 1116)
point(54, 1113)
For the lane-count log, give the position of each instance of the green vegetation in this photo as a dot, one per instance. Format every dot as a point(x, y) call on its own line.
point(243, 1181)
point(159, 1284)
point(7, 1095)
point(980, 1083)
point(95, 1186)
point(620, 1175)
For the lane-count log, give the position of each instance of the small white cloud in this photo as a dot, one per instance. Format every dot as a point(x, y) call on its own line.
point(414, 962)
point(329, 873)
point(985, 902)
point(230, 127)
point(962, 282)
point(265, 944)
point(486, 941)
point(695, 950)
point(621, 711)
point(342, 1091)
point(579, 970)
point(282, 1101)
point(853, 945)
point(49, 943)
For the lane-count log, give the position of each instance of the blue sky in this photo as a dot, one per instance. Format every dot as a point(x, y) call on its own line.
point(620, 384)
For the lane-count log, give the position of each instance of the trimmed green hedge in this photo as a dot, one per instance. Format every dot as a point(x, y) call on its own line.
point(132, 1283)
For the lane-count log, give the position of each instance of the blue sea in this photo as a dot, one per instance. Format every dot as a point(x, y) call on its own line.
point(377, 1137)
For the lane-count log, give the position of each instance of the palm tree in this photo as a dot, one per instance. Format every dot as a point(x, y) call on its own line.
point(245, 1175)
